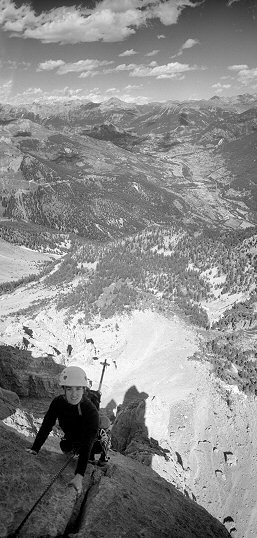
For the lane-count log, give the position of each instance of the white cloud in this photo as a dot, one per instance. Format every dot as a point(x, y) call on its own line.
point(113, 90)
point(33, 92)
point(130, 52)
point(82, 65)
point(86, 68)
point(245, 75)
point(169, 11)
point(109, 20)
point(49, 65)
point(86, 74)
point(189, 43)
point(237, 67)
point(152, 53)
point(161, 36)
point(170, 70)
point(130, 87)
point(121, 67)
point(218, 87)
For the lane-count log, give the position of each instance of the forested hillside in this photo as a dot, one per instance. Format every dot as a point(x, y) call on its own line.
point(174, 268)
point(34, 236)
point(169, 265)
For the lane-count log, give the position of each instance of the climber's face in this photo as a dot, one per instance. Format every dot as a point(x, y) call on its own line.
point(74, 394)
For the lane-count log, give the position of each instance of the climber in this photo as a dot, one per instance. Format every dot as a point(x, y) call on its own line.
point(69, 349)
point(78, 418)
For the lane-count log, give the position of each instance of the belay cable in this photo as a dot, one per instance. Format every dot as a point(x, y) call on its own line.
point(16, 532)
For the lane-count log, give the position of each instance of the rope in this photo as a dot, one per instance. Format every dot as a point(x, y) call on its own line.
point(16, 532)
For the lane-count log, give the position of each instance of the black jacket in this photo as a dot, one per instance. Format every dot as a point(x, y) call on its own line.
point(78, 422)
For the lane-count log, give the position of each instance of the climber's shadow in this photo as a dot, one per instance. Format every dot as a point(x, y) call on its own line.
point(130, 434)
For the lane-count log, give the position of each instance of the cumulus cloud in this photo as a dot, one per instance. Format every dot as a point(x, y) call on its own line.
point(247, 76)
point(87, 74)
point(32, 92)
point(130, 52)
point(113, 90)
point(121, 67)
point(218, 87)
point(189, 43)
point(161, 36)
point(49, 65)
point(85, 68)
point(152, 52)
point(170, 70)
point(168, 12)
point(237, 67)
point(109, 20)
point(82, 65)
point(130, 87)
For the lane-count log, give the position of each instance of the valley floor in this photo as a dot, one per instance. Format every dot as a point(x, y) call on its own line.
point(18, 262)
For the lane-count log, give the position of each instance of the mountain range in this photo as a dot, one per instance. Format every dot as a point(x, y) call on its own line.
point(102, 170)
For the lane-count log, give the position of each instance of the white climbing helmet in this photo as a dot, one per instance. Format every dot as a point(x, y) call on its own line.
point(73, 376)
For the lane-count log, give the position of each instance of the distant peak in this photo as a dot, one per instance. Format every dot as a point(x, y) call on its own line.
point(114, 102)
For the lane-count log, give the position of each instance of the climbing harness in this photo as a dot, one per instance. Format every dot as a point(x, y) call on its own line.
point(16, 532)
point(105, 364)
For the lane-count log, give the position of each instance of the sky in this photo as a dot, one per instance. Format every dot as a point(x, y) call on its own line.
point(139, 51)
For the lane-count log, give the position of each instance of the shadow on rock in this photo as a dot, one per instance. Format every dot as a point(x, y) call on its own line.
point(130, 433)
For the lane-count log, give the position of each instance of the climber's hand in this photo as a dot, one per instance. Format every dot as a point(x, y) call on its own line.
point(30, 451)
point(76, 483)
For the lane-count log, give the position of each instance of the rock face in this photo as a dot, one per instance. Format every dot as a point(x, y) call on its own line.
point(130, 434)
point(126, 499)
point(9, 402)
point(27, 376)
